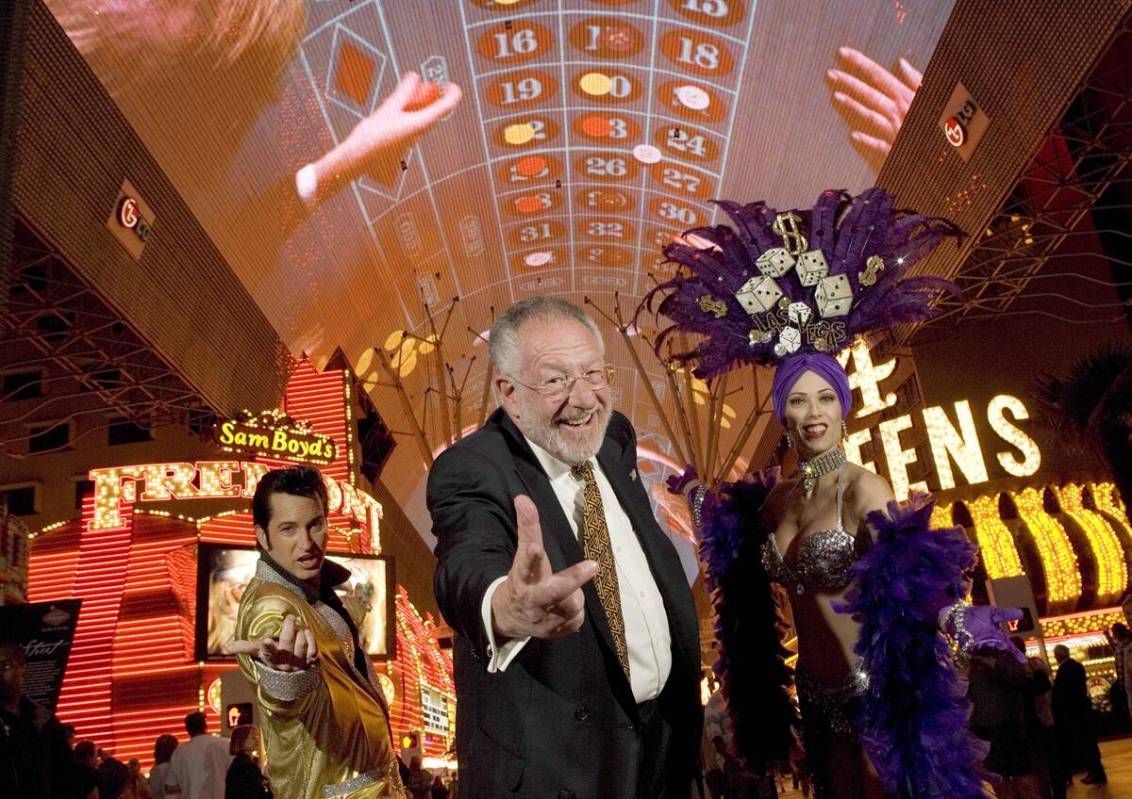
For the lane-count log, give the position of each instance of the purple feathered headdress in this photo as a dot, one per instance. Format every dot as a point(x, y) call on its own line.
point(777, 284)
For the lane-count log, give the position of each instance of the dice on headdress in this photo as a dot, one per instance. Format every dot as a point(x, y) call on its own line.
point(758, 295)
point(833, 296)
point(775, 262)
point(812, 267)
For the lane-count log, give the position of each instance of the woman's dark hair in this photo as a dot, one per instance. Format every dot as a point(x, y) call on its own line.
point(299, 481)
point(163, 748)
point(240, 735)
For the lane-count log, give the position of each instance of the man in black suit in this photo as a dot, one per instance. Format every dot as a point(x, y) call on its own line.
point(1076, 738)
point(577, 649)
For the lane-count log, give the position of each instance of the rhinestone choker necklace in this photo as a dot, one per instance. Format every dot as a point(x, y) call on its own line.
point(829, 461)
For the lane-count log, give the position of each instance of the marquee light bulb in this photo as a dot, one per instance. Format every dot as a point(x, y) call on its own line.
point(947, 443)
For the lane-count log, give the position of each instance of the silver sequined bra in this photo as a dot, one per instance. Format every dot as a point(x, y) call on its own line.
point(824, 561)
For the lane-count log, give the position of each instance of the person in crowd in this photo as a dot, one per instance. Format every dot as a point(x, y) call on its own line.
point(577, 653)
point(831, 534)
point(997, 689)
point(245, 780)
point(439, 789)
point(138, 787)
point(197, 767)
point(1075, 737)
point(113, 778)
point(86, 769)
point(1039, 716)
point(420, 779)
point(1120, 638)
point(163, 749)
point(324, 717)
point(35, 756)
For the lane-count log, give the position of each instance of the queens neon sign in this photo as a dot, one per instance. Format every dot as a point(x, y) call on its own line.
point(117, 486)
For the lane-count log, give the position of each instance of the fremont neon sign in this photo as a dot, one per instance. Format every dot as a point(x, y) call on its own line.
point(117, 486)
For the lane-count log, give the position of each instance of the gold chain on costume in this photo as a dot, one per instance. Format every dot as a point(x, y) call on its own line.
point(595, 542)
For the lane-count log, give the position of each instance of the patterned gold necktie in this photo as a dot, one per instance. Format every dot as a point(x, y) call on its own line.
point(595, 542)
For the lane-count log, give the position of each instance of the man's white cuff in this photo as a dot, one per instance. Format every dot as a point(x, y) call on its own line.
point(499, 657)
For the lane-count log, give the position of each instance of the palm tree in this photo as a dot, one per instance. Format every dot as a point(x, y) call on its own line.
point(1093, 405)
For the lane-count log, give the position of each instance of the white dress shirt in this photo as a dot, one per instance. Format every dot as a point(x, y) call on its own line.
point(198, 768)
point(647, 634)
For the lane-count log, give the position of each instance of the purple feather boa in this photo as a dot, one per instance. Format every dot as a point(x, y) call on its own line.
point(751, 665)
point(913, 722)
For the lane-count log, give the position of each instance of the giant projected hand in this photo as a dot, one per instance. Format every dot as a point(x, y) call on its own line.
point(534, 601)
point(377, 144)
point(873, 100)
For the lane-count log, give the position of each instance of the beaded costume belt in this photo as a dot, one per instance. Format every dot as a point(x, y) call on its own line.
point(835, 706)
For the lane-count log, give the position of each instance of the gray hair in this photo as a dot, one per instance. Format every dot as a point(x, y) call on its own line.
point(504, 337)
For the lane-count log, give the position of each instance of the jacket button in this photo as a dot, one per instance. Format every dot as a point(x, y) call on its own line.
point(581, 713)
point(567, 794)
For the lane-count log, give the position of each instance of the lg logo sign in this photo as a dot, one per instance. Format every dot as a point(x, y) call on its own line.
point(955, 128)
point(963, 122)
point(130, 220)
point(129, 217)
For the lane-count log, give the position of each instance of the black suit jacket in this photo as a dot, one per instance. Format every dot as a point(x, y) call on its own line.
point(561, 721)
point(1071, 703)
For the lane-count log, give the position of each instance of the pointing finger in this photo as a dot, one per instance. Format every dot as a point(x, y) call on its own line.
point(530, 564)
point(910, 75)
point(287, 635)
point(874, 72)
point(557, 587)
point(241, 648)
point(530, 555)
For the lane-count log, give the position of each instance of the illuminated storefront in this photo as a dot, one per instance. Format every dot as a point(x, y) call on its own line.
point(138, 664)
point(993, 470)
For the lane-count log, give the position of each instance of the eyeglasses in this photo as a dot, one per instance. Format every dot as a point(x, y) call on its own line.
point(557, 388)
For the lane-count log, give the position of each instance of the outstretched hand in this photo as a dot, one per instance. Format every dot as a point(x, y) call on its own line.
point(873, 100)
point(534, 601)
point(293, 650)
point(377, 144)
point(982, 625)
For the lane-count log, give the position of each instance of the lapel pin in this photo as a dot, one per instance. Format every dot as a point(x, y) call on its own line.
point(633, 475)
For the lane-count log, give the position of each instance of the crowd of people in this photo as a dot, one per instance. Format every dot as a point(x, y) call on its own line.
point(1041, 732)
point(40, 758)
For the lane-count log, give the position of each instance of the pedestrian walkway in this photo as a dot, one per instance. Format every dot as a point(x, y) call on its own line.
point(1117, 758)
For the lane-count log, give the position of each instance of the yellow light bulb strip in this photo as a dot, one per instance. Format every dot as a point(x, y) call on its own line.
point(941, 517)
point(1107, 500)
point(1112, 570)
point(1062, 626)
point(1059, 561)
point(996, 544)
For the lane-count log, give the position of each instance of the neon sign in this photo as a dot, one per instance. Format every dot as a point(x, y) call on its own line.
point(275, 435)
point(161, 482)
point(949, 444)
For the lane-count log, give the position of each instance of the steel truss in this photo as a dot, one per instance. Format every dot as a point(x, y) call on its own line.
point(1073, 173)
point(57, 323)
